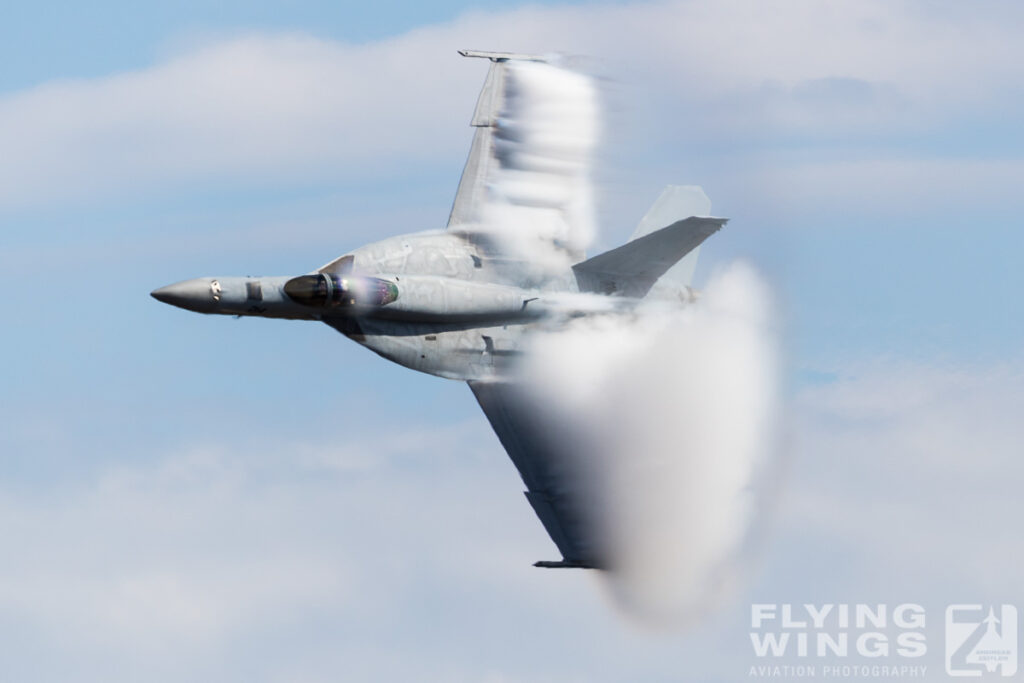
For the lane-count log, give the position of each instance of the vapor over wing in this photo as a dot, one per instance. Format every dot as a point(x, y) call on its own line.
point(527, 176)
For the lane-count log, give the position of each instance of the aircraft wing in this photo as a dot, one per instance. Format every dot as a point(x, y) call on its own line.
point(473, 184)
point(527, 175)
point(553, 481)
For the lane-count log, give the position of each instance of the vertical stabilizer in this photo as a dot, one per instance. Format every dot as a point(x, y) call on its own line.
point(676, 203)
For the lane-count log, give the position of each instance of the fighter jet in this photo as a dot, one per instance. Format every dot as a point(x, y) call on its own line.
point(461, 303)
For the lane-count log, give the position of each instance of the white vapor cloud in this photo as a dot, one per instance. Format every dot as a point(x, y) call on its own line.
point(539, 191)
point(672, 410)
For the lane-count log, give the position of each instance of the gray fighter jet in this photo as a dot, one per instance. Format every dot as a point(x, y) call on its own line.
point(461, 303)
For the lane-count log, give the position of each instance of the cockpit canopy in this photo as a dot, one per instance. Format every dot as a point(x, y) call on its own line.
point(323, 290)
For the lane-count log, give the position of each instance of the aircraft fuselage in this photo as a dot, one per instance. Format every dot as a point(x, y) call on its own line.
point(441, 303)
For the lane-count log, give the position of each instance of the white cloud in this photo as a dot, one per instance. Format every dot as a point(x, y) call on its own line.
point(160, 558)
point(399, 555)
point(276, 108)
point(204, 550)
point(382, 557)
point(916, 471)
point(256, 107)
point(409, 554)
point(898, 187)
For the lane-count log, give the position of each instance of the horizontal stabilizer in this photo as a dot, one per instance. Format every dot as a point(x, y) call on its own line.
point(631, 270)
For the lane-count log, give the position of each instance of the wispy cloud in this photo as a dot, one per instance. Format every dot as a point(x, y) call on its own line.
point(278, 108)
point(208, 547)
point(418, 541)
point(895, 456)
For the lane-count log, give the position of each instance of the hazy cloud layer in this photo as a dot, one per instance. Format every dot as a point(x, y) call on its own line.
point(904, 455)
point(287, 108)
point(386, 556)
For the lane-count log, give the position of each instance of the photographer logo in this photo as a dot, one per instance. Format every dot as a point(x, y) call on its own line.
point(981, 640)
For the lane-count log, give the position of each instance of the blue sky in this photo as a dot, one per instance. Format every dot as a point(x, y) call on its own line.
point(196, 498)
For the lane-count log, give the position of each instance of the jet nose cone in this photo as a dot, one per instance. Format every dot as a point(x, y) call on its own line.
point(167, 295)
point(194, 295)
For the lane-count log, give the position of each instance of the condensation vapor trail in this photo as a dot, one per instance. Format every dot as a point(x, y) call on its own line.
point(671, 413)
point(664, 412)
point(546, 134)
